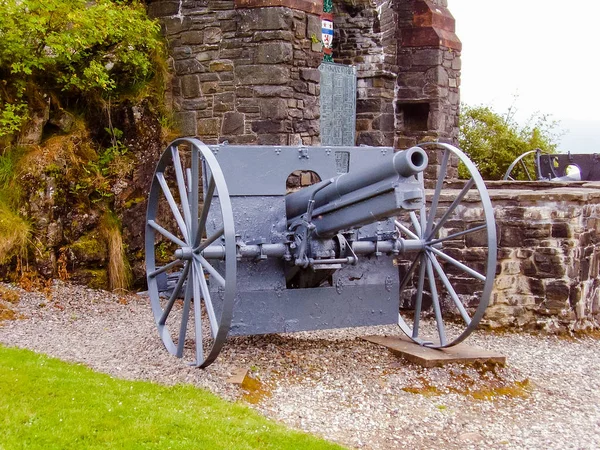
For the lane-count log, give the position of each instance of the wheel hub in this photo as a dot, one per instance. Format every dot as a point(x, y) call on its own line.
point(184, 253)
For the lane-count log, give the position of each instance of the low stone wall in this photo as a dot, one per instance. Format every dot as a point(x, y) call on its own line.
point(548, 257)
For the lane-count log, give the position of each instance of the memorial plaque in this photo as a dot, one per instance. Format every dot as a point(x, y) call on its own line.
point(338, 104)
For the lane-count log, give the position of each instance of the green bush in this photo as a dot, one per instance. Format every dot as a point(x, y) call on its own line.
point(80, 49)
point(493, 141)
point(12, 116)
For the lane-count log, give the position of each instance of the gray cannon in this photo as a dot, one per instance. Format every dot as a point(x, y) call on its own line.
point(229, 251)
point(562, 167)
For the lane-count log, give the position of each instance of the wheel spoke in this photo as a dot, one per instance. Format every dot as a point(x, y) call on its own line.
point(456, 263)
point(185, 206)
point(205, 208)
point(415, 221)
point(408, 274)
point(185, 317)
point(457, 235)
point(214, 325)
point(419, 302)
point(452, 207)
point(213, 237)
point(450, 289)
point(423, 212)
point(174, 295)
point(438, 190)
point(174, 209)
point(436, 304)
point(188, 182)
point(210, 269)
point(166, 233)
point(405, 230)
point(526, 171)
point(165, 268)
point(197, 316)
point(193, 177)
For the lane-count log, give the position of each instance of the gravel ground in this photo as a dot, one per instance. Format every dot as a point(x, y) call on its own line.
point(335, 385)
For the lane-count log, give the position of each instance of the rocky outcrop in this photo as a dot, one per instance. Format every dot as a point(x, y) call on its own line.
point(68, 191)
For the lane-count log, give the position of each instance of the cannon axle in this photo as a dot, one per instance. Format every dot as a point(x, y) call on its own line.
point(254, 251)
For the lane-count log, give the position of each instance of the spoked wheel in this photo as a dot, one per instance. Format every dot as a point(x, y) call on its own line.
point(181, 281)
point(525, 167)
point(445, 289)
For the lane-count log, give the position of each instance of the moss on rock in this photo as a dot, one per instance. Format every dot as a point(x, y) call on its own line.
point(93, 278)
point(89, 248)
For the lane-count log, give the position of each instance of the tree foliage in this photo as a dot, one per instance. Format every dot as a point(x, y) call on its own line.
point(71, 49)
point(493, 140)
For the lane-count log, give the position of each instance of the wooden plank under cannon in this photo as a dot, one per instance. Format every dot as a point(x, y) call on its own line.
point(238, 377)
point(433, 357)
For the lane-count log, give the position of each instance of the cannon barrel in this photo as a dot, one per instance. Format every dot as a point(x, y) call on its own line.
point(344, 193)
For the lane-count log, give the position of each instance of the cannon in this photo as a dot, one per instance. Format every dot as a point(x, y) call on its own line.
point(535, 165)
point(231, 251)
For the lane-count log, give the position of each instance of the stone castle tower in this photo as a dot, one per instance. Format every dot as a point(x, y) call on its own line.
point(246, 71)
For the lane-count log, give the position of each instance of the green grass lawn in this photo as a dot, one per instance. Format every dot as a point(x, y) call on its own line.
point(49, 404)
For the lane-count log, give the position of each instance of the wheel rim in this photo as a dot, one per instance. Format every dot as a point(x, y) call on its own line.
point(192, 298)
point(519, 166)
point(436, 286)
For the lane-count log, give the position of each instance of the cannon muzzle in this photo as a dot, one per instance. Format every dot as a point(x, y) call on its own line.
point(357, 197)
point(410, 162)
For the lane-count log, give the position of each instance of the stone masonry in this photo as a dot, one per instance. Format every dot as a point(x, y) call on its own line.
point(548, 263)
point(408, 63)
point(548, 256)
point(245, 71)
point(243, 75)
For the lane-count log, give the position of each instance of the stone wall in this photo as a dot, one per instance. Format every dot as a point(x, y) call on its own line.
point(245, 71)
point(408, 62)
point(365, 36)
point(246, 75)
point(548, 256)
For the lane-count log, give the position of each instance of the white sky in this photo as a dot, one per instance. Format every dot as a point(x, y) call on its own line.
point(544, 51)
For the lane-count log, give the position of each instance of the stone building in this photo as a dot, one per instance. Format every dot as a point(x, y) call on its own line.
point(246, 71)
